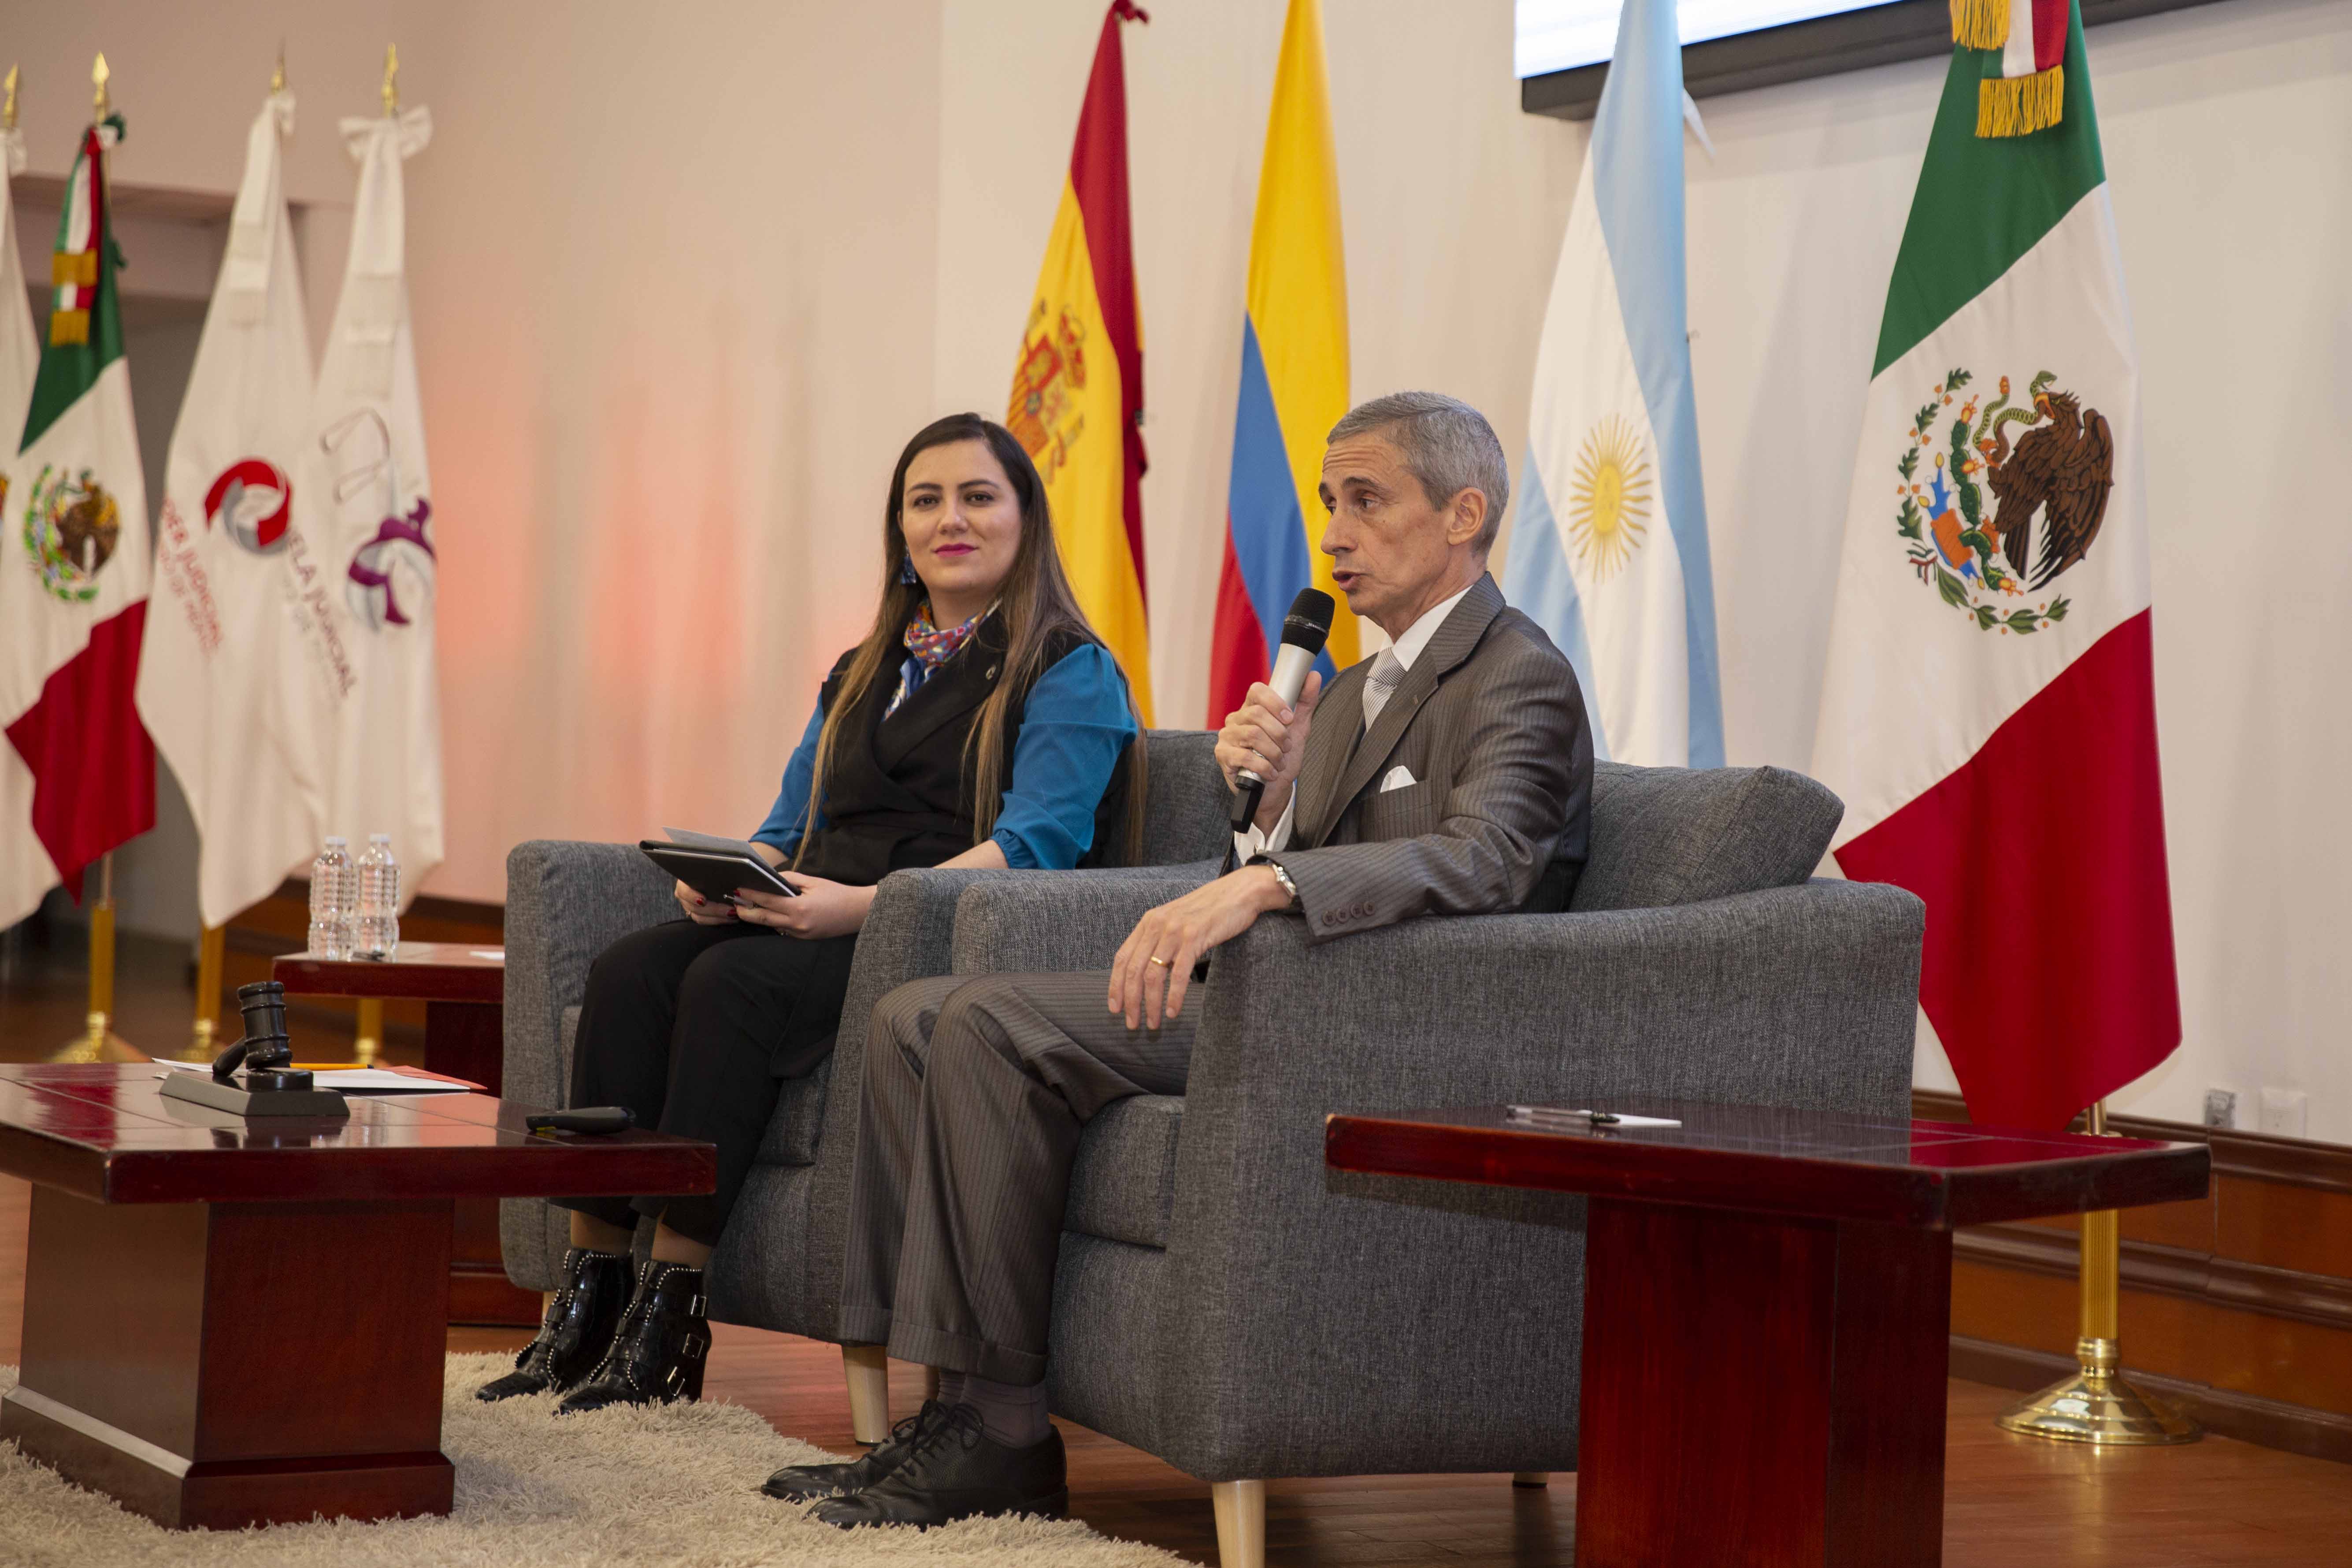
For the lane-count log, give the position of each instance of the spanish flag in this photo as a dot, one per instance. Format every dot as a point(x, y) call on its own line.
point(1294, 384)
point(1077, 386)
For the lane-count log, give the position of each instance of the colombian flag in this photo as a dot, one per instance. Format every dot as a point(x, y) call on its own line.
point(1077, 386)
point(1294, 384)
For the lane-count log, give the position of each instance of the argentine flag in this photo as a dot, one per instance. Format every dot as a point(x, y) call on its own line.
point(1610, 553)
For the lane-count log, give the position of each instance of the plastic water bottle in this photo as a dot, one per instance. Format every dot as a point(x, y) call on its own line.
point(333, 892)
point(378, 930)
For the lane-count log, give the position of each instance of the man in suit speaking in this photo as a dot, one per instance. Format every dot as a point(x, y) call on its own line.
point(1450, 774)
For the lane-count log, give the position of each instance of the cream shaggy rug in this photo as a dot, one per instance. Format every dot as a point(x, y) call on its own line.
point(675, 1487)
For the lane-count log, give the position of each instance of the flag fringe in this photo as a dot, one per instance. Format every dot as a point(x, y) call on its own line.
point(2020, 105)
point(1980, 24)
point(77, 268)
point(69, 327)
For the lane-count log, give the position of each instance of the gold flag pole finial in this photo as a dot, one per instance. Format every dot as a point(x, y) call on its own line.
point(391, 79)
point(278, 76)
point(8, 109)
point(99, 105)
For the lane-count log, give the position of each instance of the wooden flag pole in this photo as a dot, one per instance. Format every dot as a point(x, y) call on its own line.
point(2097, 1405)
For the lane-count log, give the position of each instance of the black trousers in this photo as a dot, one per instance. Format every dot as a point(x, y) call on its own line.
point(977, 1090)
point(694, 1028)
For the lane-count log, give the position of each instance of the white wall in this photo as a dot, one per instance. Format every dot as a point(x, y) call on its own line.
point(684, 286)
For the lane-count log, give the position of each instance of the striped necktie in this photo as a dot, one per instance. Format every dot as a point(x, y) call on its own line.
point(1387, 674)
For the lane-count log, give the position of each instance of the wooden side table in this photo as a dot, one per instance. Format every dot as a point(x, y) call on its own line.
point(1768, 1308)
point(463, 988)
point(232, 1321)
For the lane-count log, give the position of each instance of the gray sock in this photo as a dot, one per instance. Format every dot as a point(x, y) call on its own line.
point(950, 1387)
point(1012, 1416)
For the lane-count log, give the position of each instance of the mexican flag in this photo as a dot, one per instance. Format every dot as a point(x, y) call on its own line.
point(237, 683)
point(26, 870)
point(1989, 714)
point(73, 599)
point(1077, 403)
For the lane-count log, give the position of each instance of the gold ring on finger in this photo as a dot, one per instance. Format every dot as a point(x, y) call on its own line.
point(1160, 961)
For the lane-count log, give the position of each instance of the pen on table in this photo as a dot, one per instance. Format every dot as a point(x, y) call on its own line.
point(1555, 1114)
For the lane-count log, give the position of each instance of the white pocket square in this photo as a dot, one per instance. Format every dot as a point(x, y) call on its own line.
point(1398, 777)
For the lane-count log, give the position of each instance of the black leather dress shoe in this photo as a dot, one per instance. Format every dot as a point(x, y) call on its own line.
point(581, 1318)
point(956, 1471)
point(806, 1483)
point(656, 1357)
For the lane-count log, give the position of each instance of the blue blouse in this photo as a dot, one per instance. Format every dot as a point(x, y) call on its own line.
point(1073, 729)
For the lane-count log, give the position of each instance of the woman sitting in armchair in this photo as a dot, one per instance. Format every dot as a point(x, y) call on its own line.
point(981, 723)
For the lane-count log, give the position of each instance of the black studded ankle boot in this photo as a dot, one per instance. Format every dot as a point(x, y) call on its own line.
point(656, 1357)
point(582, 1319)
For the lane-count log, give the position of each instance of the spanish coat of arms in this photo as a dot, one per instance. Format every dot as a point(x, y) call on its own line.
point(1053, 364)
point(1990, 525)
point(71, 527)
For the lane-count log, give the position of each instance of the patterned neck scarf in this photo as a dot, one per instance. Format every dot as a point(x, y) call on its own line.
point(929, 647)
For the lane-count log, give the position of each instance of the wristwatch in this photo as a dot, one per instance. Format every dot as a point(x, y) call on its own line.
point(1280, 876)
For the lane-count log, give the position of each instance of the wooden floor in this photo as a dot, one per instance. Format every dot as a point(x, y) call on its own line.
point(2009, 1503)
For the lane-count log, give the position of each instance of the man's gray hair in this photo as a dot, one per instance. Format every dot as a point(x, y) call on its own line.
point(1447, 445)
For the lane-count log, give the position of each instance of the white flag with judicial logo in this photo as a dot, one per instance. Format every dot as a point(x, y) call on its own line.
point(238, 680)
point(26, 870)
point(365, 499)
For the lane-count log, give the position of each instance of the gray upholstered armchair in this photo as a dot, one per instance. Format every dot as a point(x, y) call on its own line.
point(779, 1264)
point(1226, 1303)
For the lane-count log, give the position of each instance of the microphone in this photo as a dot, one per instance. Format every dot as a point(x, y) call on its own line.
point(1304, 631)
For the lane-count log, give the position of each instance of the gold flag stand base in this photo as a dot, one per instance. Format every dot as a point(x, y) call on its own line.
point(2097, 1405)
point(98, 1043)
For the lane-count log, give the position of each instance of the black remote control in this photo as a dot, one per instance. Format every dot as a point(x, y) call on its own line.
point(594, 1118)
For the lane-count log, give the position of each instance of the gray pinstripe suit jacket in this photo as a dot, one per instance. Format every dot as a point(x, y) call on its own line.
point(1491, 723)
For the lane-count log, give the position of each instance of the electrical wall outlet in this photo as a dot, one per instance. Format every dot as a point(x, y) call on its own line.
point(2221, 1108)
point(2283, 1111)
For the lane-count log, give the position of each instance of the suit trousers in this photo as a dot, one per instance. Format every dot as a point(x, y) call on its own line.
point(976, 1092)
point(694, 1028)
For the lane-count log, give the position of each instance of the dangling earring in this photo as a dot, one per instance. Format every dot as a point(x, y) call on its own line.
point(906, 572)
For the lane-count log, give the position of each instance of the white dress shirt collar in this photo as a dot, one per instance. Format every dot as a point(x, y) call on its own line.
point(1416, 635)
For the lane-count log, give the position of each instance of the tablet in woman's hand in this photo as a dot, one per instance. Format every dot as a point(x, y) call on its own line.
point(715, 873)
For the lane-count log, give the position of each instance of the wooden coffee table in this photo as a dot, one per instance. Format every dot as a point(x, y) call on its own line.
point(228, 1322)
point(463, 988)
point(1768, 1308)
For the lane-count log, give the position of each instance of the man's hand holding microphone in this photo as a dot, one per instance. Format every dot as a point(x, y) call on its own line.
point(1267, 737)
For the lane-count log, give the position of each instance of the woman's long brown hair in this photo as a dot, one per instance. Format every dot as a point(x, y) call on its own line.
point(1035, 602)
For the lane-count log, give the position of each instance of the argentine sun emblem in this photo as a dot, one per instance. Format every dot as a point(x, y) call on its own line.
point(1609, 497)
point(1990, 525)
point(71, 527)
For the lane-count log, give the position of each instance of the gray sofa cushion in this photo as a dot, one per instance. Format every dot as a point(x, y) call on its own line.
point(800, 1112)
point(1123, 1186)
point(1190, 809)
point(1663, 836)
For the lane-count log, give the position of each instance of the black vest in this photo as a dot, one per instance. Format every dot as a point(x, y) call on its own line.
point(896, 796)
